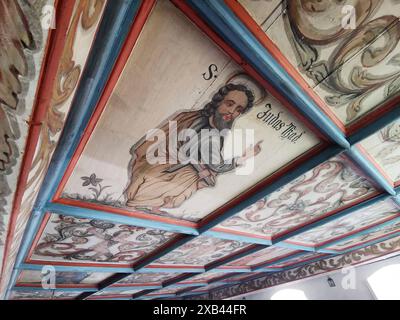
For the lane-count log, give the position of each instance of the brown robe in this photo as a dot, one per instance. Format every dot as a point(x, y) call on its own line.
point(150, 184)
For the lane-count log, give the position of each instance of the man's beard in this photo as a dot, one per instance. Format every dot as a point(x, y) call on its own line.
point(220, 123)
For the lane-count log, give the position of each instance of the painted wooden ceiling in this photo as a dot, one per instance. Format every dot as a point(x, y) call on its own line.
point(84, 216)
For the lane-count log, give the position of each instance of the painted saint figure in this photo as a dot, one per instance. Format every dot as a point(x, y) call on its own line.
point(156, 186)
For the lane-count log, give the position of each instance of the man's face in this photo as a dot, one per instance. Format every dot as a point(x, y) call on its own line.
point(230, 108)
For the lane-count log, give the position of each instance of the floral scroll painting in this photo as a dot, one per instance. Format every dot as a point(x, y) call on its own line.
point(328, 187)
point(370, 216)
point(73, 240)
point(201, 251)
point(353, 68)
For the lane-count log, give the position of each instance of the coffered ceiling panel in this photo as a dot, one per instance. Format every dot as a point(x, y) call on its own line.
point(36, 278)
point(328, 188)
point(74, 241)
point(140, 279)
point(44, 295)
point(206, 277)
point(200, 252)
point(165, 292)
point(262, 257)
point(348, 51)
point(115, 293)
point(359, 220)
point(302, 258)
point(388, 230)
point(31, 295)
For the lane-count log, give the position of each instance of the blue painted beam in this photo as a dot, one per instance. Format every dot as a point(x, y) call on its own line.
point(233, 31)
point(396, 199)
point(32, 229)
point(370, 170)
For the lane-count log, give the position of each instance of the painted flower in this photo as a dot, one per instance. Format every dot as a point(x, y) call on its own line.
point(92, 180)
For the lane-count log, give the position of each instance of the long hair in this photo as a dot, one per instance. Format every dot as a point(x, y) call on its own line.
point(210, 107)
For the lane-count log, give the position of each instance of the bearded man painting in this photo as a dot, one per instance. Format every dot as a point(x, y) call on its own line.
point(168, 185)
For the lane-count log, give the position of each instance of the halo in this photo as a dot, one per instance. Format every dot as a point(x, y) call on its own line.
point(244, 79)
